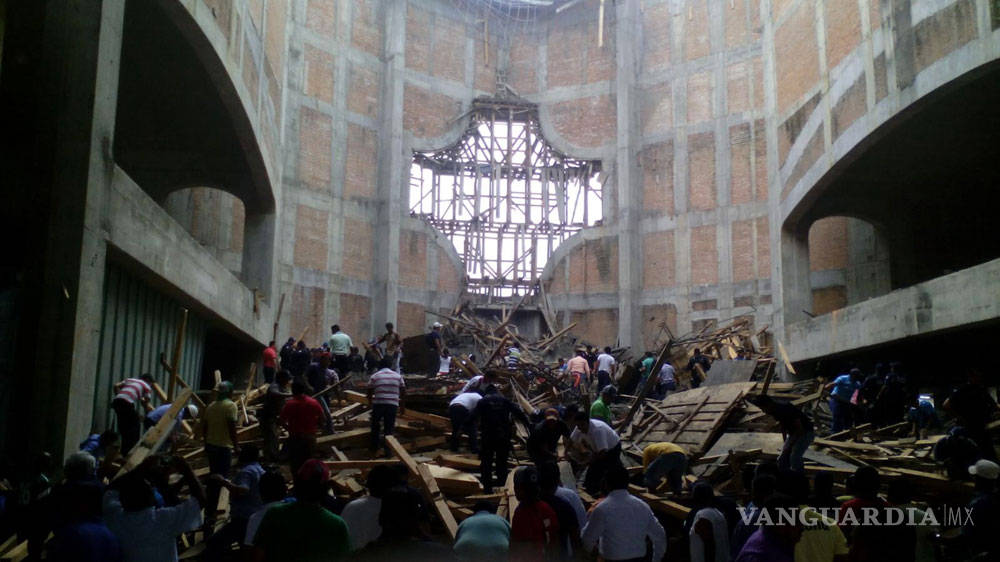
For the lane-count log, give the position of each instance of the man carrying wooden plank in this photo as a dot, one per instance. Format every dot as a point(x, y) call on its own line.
point(698, 365)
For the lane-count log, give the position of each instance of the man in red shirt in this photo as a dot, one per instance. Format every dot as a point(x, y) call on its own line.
point(270, 361)
point(534, 534)
point(301, 416)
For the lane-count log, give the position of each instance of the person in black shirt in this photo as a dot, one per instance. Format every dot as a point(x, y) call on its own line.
point(545, 437)
point(277, 392)
point(974, 407)
point(797, 429)
point(701, 360)
point(494, 413)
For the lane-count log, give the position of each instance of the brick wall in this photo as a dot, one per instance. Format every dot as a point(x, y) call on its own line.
point(658, 267)
point(596, 327)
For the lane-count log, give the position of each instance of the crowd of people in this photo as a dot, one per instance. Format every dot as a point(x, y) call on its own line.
point(281, 506)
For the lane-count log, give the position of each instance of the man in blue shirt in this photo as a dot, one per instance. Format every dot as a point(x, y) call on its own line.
point(841, 390)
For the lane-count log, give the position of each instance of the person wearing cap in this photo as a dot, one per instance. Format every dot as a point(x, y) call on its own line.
point(460, 411)
point(599, 409)
point(303, 530)
point(621, 523)
point(494, 414)
point(604, 446)
point(544, 438)
point(841, 391)
point(218, 426)
point(984, 512)
point(534, 531)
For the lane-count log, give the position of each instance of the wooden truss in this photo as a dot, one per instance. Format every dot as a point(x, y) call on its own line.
point(504, 196)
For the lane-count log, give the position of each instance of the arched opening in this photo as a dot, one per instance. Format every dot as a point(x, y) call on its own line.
point(504, 197)
point(215, 218)
point(848, 263)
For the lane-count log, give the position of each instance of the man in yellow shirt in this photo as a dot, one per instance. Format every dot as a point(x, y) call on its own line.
point(218, 426)
point(664, 459)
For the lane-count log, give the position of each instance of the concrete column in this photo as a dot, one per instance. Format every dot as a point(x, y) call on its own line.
point(82, 51)
point(629, 194)
point(260, 233)
point(795, 288)
point(392, 171)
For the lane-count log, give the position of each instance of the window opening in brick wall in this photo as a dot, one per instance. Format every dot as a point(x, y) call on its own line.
point(504, 197)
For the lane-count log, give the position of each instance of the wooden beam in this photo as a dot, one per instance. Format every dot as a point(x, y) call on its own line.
point(435, 420)
point(360, 464)
point(175, 363)
point(153, 439)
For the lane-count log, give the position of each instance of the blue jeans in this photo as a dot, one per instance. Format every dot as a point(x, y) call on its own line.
point(382, 413)
point(841, 412)
point(671, 465)
point(793, 450)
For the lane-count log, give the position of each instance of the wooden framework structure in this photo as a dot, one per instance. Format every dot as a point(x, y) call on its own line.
point(504, 196)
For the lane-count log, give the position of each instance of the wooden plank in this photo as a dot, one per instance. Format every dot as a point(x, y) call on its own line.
point(175, 364)
point(784, 358)
point(153, 439)
point(455, 482)
point(660, 505)
point(359, 464)
point(435, 420)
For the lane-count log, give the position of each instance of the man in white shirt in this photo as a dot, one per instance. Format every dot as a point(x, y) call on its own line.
point(479, 383)
point(606, 367)
point(709, 536)
point(361, 515)
point(621, 523)
point(604, 445)
point(146, 532)
point(460, 411)
point(340, 347)
point(666, 381)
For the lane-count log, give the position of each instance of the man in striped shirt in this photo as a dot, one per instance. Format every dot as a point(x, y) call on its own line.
point(130, 392)
point(386, 392)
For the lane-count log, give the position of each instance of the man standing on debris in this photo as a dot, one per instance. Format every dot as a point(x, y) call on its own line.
point(841, 391)
point(301, 415)
point(493, 413)
point(340, 347)
point(974, 407)
point(666, 380)
point(544, 438)
point(386, 394)
point(579, 371)
point(698, 360)
point(269, 360)
point(393, 344)
point(620, 524)
point(316, 376)
point(435, 345)
point(274, 401)
point(604, 445)
point(219, 432)
point(606, 368)
point(128, 394)
point(646, 368)
point(796, 427)
point(460, 411)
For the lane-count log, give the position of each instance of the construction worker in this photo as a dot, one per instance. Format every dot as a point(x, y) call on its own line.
point(493, 413)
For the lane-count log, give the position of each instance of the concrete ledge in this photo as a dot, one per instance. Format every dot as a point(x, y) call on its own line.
point(145, 233)
point(965, 297)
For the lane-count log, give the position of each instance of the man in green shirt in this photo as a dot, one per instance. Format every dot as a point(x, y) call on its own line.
point(599, 409)
point(303, 530)
point(218, 425)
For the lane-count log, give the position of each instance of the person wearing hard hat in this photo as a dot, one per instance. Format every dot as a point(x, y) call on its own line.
point(219, 433)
